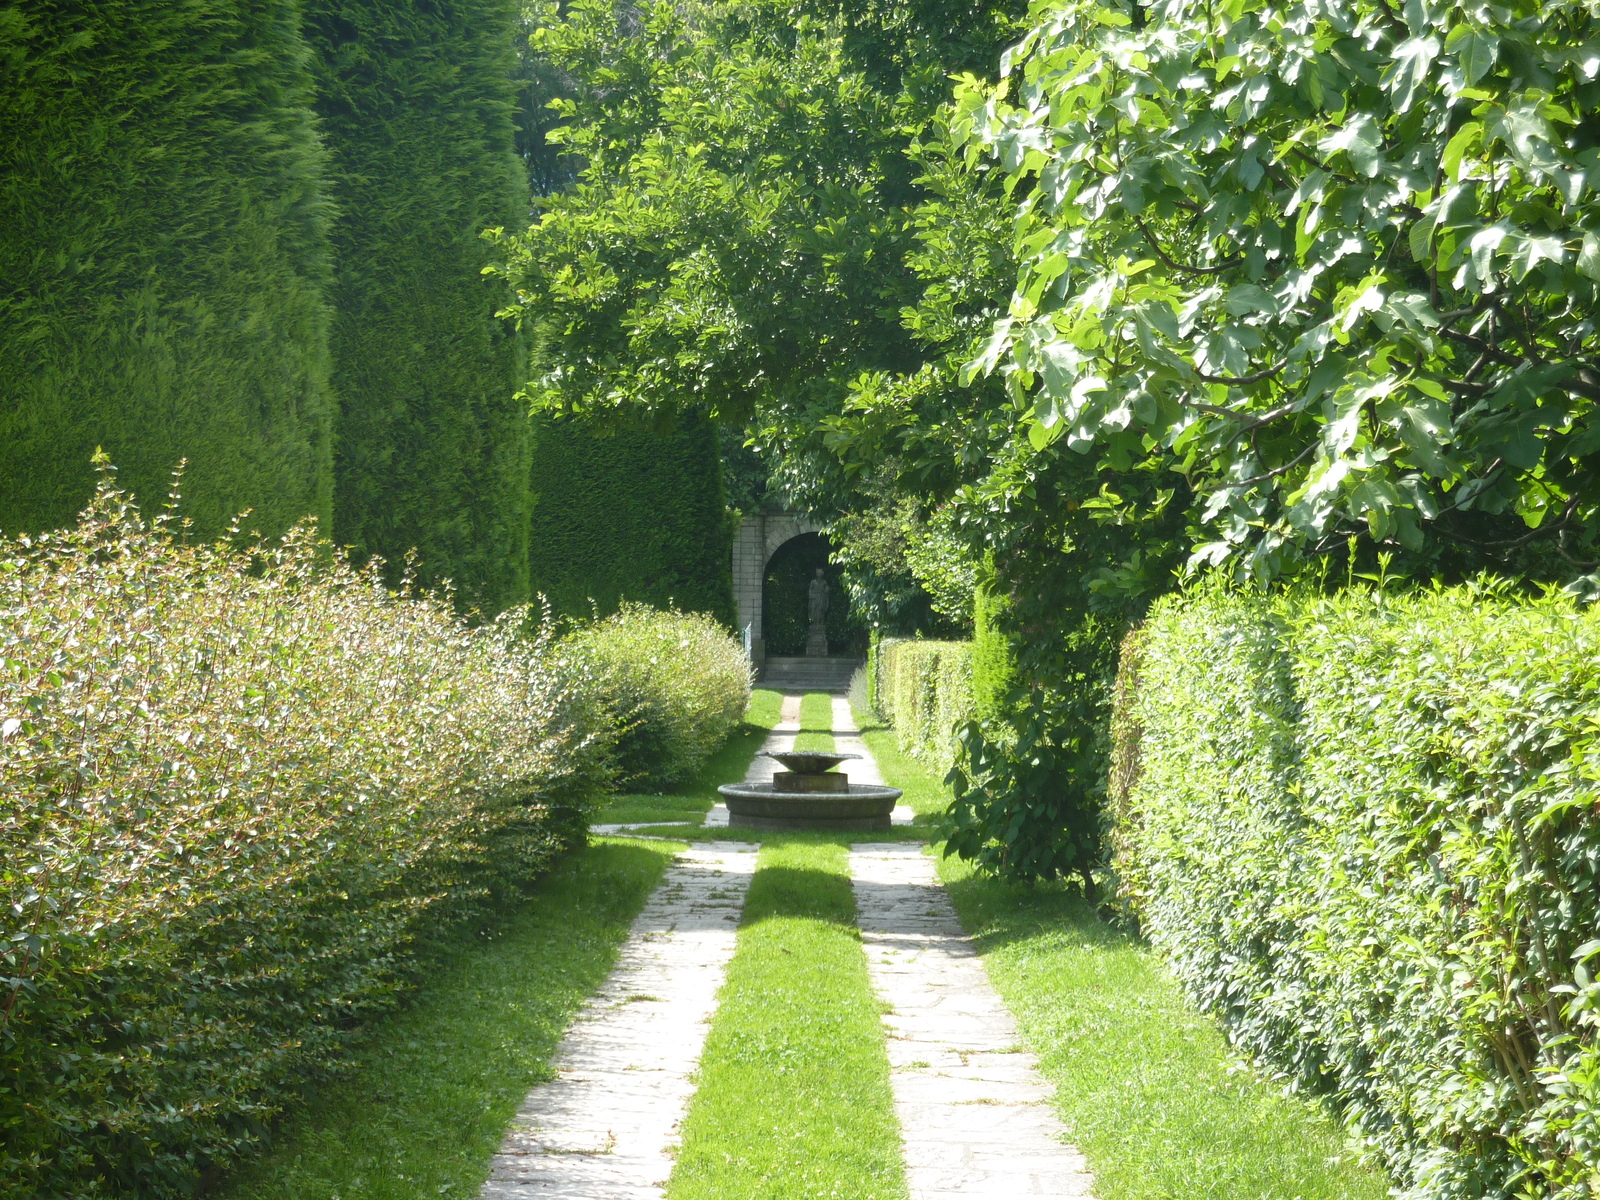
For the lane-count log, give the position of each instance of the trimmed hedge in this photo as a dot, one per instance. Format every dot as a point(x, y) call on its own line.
point(994, 658)
point(164, 261)
point(417, 104)
point(237, 793)
point(630, 515)
point(1365, 831)
point(924, 690)
point(677, 685)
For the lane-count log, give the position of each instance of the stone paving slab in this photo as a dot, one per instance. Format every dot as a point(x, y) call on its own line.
point(847, 740)
point(630, 826)
point(975, 1116)
point(605, 1127)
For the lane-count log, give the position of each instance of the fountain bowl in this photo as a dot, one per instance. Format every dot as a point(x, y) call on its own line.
point(856, 806)
point(808, 762)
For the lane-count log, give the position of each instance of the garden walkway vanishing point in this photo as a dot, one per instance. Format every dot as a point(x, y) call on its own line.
point(974, 1114)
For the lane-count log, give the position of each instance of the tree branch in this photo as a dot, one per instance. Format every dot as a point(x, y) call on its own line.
point(1173, 263)
point(1243, 380)
point(1276, 471)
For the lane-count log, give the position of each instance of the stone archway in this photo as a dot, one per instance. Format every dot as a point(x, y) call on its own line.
point(759, 537)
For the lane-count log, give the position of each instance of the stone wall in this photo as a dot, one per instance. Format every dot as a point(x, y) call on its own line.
point(760, 534)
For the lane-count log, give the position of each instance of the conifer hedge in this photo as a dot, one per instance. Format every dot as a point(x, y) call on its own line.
point(417, 103)
point(1366, 831)
point(630, 515)
point(163, 260)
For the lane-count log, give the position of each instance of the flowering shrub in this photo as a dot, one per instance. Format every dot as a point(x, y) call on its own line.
point(1364, 830)
point(236, 790)
point(677, 683)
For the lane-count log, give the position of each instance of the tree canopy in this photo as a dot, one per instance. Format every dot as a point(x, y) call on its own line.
point(1283, 289)
point(1338, 261)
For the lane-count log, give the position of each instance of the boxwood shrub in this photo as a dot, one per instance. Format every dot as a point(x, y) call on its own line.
point(239, 790)
point(1365, 831)
point(677, 684)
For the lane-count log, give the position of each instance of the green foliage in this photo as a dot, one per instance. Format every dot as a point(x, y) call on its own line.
point(906, 576)
point(943, 564)
point(739, 226)
point(630, 515)
point(736, 241)
point(924, 690)
point(1337, 264)
point(677, 684)
point(994, 658)
point(164, 262)
point(416, 103)
point(1082, 542)
point(1362, 829)
point(453, 1066)
point(237, 789)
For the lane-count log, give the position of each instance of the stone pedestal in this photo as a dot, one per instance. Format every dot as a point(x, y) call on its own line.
point(817, 642)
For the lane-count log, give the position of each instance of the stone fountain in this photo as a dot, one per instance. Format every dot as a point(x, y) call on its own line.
point(809, 794)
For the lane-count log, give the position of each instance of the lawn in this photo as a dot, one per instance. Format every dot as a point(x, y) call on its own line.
point(432, 1088)
point(1147, 1087)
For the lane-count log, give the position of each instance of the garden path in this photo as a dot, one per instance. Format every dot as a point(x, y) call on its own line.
point(975, 1115)
point(603, 1129)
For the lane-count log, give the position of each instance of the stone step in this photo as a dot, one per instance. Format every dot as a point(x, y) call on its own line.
point(808, 674)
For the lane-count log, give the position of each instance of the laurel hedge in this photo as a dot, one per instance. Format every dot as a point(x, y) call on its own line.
point(923, 688)
point(1364, 829)
point(164, 258)
point(239, 790)
point(417, 105)
point(631, 515)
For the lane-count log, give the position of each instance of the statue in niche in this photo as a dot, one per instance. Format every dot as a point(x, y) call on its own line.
point(817, 610)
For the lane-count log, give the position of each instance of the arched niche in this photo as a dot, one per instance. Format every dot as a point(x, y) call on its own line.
point(785, 599)
point(760, 536)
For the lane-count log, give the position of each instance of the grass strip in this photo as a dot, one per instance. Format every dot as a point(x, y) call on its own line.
point(432, 1087)
point(925, 793)
point(1147, 1087)
point(816, 712)
point(693, 800)
point(816, 723)
point(793, 1100)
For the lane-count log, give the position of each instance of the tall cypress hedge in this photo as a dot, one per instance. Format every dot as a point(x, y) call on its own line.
point(630, 515)
point(163, 259)
point(417, 102)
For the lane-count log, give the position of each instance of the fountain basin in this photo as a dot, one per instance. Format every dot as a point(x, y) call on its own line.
point(856, 806)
